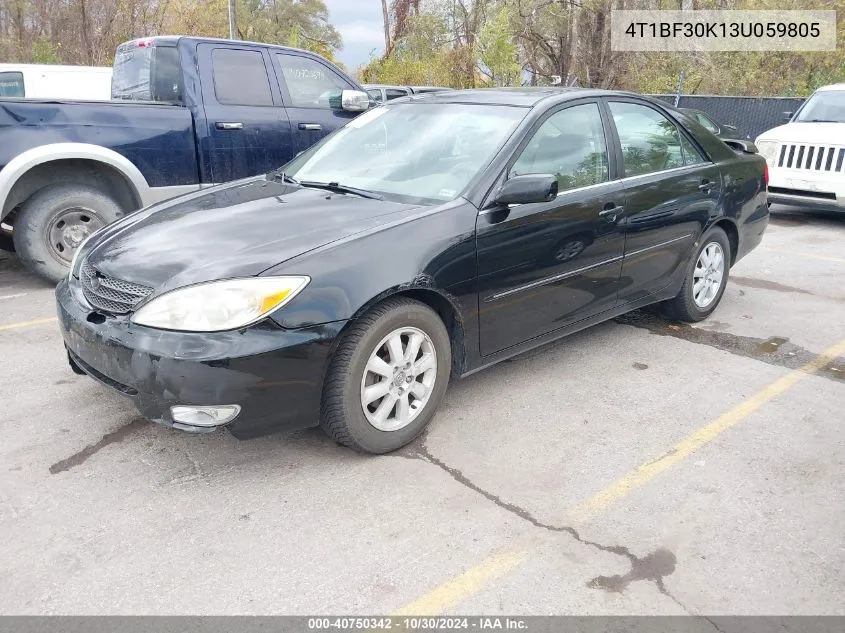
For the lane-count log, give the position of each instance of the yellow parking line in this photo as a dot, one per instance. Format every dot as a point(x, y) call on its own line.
point(687, 446)
point(470, 582)
point(455, 591)
point(787, 251)
point(20, 324)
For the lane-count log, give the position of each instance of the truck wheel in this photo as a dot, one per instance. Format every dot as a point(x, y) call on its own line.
point(52, 224)
point(387, 377)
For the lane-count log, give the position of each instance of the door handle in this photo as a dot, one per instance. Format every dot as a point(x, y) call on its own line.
point(227, 125)
point(314, 127)
point(706, 185)
point(611, 212)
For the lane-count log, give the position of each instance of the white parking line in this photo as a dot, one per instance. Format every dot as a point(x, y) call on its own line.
point(20, 294)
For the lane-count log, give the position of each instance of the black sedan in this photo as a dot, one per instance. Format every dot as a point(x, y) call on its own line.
point(427, 239)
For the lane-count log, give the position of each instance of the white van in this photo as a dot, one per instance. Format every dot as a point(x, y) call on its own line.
point(32, 81)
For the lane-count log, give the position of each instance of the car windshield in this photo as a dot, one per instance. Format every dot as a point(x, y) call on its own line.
point(827, 105)
point(422, 151)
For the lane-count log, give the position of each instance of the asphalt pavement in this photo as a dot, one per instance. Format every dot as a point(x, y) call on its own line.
point(639, 467)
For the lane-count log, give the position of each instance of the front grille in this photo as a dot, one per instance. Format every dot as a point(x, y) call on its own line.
point(108, 294)
point(812, 157)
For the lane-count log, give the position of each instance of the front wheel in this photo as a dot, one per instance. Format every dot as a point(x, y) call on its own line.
point(705, 281)
point(387, 377)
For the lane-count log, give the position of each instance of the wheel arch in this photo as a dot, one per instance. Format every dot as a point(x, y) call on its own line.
point(731, 230)
point(443, 304)
point(42, 166)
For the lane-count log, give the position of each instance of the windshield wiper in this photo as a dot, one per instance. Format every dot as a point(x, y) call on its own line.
point(338, 188)
point(821, 121)
point(279, 174)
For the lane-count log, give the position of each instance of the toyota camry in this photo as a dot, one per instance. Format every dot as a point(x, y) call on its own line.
point(427, 239)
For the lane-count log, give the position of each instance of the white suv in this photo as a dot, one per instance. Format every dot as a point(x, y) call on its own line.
point(806, 157)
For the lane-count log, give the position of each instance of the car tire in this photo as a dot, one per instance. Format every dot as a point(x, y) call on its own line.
point(704, 283)
point(412, 392)
point(54, 221)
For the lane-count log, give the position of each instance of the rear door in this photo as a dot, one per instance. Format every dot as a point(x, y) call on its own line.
point(671, 189)
point(247, 131)
point(311, 91)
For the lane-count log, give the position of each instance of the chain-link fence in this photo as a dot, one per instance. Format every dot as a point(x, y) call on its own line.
point(751, 115)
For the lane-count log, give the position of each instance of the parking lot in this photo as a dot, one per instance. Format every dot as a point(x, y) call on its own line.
point(639, 467)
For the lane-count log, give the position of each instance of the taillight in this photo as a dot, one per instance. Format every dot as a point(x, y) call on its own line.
point(766, 173)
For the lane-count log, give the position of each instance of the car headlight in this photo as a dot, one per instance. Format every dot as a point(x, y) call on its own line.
point(768, 150)
point(215, 306)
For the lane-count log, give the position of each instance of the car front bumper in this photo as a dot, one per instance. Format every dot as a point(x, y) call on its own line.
point(274, 375)
point(822, 190)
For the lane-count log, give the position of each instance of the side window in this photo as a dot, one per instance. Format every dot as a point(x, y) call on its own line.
point(571, 145)
point(707, 123)
point(375, 93)
point(691, 154)
point(310, 83)
point(240, 77)
point(11, 84)
point(394, 93)
point(650, 142)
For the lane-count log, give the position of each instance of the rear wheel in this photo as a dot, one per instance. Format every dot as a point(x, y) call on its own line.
point(54, 221)
point(387, 378)
point(705, 281)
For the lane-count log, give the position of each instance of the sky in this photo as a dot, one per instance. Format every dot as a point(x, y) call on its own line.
point(360, 25)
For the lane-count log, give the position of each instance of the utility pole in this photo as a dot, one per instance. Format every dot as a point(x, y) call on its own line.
point(233, 28)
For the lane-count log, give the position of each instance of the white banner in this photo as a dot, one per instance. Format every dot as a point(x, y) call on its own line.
point(690, 31)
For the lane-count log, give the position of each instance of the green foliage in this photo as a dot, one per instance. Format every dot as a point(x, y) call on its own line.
point(497, 49)
point(46, 52)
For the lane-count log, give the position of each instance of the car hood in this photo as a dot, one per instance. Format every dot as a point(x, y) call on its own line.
point(235, 230)
point(820, 133)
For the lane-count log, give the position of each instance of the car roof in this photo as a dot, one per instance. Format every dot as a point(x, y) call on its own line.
point(173, 40)
point(831, 87)
point(525, 97)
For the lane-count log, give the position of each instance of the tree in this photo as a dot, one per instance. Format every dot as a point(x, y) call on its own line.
point(497, 51)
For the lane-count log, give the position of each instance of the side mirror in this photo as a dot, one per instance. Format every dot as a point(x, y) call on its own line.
point(354, 100)
point(527, 189)
point(787, 116)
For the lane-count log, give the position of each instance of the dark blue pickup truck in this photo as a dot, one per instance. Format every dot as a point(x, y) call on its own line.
point(185, 113)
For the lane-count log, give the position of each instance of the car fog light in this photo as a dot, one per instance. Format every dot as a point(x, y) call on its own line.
point(205, 416)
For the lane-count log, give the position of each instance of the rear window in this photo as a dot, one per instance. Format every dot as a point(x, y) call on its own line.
point(11, 84)
point(147, 73)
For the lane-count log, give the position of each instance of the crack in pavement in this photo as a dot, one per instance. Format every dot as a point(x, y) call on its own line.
point(118, 435)
point(777, 351)
point(654, 566)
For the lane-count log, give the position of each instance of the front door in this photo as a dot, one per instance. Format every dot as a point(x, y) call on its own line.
point(547, 265)
point(671, 190)
point(311, 91)
point(247, 131)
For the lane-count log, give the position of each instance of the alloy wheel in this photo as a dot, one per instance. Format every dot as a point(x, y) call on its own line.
point(708, 275)
point(398, 379)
